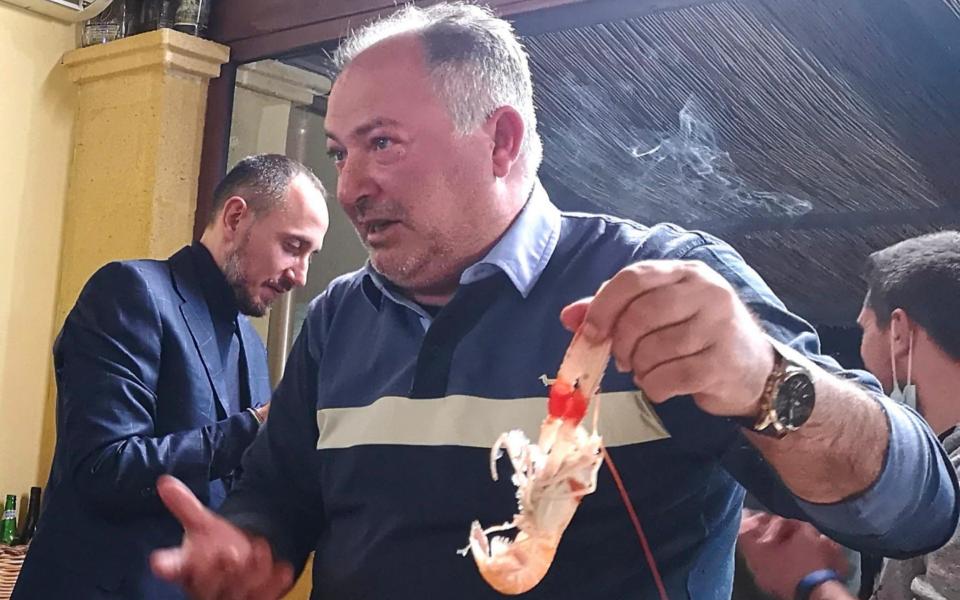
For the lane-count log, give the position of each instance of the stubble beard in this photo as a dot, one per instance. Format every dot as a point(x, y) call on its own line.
point(237, 279)
point(423, 268)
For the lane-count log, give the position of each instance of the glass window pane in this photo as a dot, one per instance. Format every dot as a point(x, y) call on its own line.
point(279, 108)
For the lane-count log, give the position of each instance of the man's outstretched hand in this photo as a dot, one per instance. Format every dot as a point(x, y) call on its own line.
point(780, 552)
point(216, 559)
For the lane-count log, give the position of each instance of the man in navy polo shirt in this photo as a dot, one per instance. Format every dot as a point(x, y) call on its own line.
point(407, 370)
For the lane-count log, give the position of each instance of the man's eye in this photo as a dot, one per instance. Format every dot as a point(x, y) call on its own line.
point(381, 143)
point(336, 155)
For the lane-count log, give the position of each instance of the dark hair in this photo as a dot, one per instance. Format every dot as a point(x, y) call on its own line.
point(262, 180)
point(920, 275)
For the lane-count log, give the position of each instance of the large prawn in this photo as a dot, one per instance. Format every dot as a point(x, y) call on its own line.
point(551, 476)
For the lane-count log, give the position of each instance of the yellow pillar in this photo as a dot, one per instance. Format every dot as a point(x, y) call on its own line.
point(137, 139)
point(138, 130)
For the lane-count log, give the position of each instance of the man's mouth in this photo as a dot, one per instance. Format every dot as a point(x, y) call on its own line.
point(277, 287)
point(375, 229)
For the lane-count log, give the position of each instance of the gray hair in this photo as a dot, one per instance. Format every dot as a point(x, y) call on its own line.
point(475, 60)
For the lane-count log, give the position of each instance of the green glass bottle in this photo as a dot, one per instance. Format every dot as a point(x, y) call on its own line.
point(8, 531)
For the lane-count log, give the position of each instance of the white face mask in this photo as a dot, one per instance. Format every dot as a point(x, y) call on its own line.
point(908, 395)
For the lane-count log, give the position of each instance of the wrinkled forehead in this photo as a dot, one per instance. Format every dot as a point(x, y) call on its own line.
point(387, 74)
point(386, 63)
point(404, 105)
point(398, 50)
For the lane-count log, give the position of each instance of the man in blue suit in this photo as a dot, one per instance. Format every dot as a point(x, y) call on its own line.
point(159, 371)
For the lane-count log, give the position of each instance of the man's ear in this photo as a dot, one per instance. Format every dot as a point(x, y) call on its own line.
point(235, 209)
point(507, 129)
point(901, 330)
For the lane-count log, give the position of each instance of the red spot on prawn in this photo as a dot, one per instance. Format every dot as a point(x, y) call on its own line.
point(566, 402)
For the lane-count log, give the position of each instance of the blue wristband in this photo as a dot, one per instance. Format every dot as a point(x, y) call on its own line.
point(812, 580)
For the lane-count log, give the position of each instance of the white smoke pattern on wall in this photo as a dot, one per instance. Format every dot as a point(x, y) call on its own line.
point(700, 167)
point(681, 175)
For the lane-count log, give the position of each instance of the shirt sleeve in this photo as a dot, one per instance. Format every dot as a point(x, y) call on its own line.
point(911, 508)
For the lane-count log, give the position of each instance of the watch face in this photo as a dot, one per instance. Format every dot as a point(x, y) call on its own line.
point(794, 402)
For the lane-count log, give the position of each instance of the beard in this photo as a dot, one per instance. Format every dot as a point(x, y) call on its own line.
point(430, 269)
point(233, 270)
point(426, 257)
point(409, 266)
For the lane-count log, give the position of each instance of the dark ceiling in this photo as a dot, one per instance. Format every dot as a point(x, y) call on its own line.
point(806, 133)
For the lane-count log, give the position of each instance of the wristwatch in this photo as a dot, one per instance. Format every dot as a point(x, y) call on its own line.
point(787, 399)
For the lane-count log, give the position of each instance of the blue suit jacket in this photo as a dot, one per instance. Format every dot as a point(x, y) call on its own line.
point(138, 376)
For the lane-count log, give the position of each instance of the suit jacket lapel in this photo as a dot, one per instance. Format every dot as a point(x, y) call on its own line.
point(196, 314)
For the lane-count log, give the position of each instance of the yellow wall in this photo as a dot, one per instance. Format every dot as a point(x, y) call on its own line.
point(37, 102)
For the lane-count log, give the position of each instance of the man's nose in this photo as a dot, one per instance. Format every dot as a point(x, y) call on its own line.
point(354, 183)
point(297, 274)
